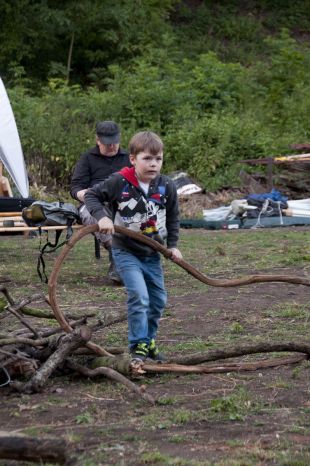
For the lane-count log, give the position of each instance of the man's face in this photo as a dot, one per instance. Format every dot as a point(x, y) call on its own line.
point(147, 166)
point(107, 150)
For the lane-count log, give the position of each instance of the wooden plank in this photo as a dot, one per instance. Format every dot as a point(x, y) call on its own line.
point(16, 224)
point(17, 229)
point(17, 218)
point(10, 214)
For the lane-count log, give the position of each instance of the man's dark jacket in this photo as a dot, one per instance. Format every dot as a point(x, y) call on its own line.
point(92, 168)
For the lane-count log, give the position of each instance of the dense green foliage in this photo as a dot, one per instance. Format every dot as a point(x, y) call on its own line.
point(220, 83)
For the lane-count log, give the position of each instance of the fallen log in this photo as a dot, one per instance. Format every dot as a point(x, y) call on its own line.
point(23, 341)
point(13, 311)
point(4, 290)
point(241, 350)
point(226, 367)
point(29, 311)
point(32, 449)
point(124, 365)
point(69, 343)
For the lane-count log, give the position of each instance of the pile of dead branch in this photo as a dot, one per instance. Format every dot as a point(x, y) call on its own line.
point(35, 352)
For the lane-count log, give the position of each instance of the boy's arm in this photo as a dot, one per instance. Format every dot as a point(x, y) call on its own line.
point(98, 195)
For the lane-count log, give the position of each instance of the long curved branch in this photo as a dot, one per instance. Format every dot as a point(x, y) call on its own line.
point(200, 276)
point(166, 253)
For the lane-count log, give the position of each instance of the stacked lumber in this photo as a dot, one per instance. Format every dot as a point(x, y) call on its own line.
point(11, 219)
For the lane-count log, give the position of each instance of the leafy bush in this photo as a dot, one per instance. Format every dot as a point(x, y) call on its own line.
point(210, 114)
point(55, 128)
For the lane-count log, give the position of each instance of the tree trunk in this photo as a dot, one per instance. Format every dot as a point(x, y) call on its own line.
point(32, 449)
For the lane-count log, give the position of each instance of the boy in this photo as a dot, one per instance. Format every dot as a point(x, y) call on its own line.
point(144, 201)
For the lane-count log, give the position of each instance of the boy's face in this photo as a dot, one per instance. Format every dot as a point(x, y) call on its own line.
point(147, 166)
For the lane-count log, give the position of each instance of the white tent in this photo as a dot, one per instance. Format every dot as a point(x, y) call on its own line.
point(11, 153)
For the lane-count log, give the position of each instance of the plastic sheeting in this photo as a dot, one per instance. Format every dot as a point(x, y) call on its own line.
point(11, 153)
point(298, 208)
point(218, 214)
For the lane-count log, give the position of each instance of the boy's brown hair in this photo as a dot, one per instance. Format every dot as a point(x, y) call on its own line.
point(145, 141)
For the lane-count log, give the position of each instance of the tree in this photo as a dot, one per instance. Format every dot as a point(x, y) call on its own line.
point(76, 39)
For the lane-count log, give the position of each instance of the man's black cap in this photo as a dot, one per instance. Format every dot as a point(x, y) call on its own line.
point(108, 132)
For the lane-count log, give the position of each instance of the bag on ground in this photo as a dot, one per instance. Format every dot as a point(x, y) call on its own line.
point(41, 214)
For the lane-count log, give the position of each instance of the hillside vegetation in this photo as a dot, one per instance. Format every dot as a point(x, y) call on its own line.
point(219, 83)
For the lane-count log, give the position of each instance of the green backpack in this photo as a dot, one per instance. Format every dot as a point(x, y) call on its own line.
point(41, 213)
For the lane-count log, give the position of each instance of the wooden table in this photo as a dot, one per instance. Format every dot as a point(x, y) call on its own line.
point(21, 226)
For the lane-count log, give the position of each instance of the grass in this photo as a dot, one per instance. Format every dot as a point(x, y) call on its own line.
point(157, 458)
point(195, 345)
point(84, 418)
point(234, 407)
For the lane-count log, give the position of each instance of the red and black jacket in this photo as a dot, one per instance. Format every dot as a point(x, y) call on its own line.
point(156, 213)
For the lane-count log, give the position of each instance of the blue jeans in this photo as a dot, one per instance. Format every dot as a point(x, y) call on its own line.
point(146, 295)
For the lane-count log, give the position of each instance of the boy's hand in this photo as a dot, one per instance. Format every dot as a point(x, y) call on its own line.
point(106, 225)
point(176, 253)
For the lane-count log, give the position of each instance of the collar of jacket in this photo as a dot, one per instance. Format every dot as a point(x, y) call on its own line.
point(156, 192)
point(95, 151)
point(129, 173)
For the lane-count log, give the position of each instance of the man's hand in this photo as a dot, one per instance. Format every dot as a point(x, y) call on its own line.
point(106, 225)
point(80, 195)
point(176, 253)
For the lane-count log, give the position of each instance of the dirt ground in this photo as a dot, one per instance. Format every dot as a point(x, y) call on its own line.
point(238, 418)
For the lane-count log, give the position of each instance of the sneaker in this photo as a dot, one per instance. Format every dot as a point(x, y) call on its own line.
point(139, 351)
point(154, 352)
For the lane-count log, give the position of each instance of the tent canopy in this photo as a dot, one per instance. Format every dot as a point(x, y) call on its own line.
point(11, 153)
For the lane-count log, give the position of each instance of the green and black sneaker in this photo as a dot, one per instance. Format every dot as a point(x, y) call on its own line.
point(139, 351)
point(154, 352)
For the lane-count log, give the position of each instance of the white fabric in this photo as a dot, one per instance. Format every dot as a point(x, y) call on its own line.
point(239, 206)
point(189, 189)
point(11, 153)
point(144, 186)
point(221, 213)
point(299, 204)
point(299, 208)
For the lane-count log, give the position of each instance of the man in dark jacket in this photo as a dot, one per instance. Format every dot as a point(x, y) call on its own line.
point(94, 166)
